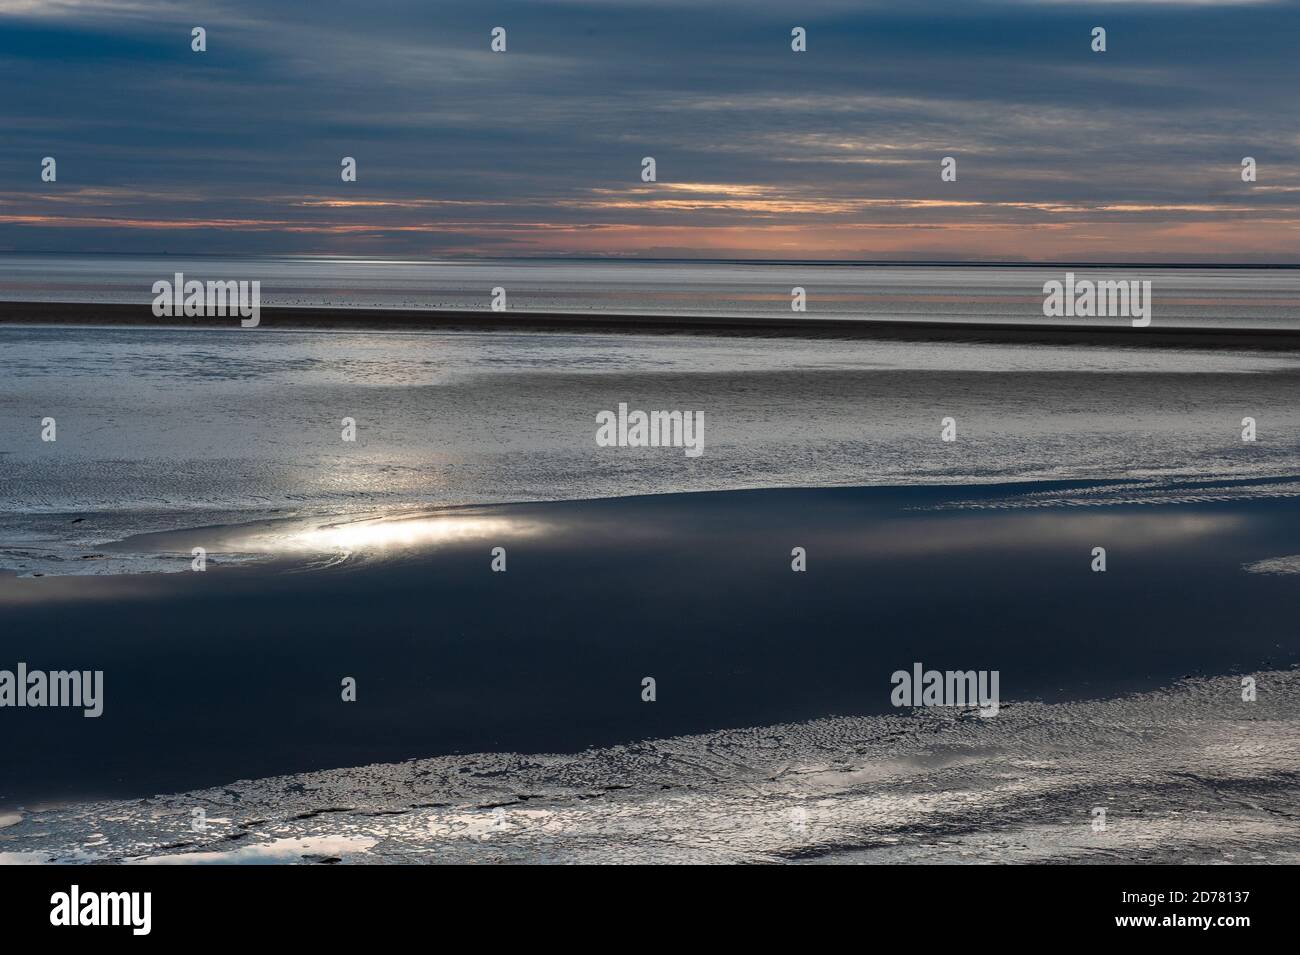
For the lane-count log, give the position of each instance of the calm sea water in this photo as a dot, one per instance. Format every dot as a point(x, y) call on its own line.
point(1265, 298)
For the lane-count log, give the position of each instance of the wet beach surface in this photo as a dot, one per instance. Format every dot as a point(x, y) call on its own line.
point(1190, 773)
point(235, 672)
point(373, 561)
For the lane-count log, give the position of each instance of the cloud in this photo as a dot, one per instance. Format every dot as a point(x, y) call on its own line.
point(539, 148)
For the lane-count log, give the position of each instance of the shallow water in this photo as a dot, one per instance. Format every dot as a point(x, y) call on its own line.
point(236, 672)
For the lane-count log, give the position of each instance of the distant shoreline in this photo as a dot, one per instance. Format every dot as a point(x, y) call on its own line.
point(396, 319)
point(667, 260)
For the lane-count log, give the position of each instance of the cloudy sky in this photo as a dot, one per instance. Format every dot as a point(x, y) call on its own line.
point(1063, 153)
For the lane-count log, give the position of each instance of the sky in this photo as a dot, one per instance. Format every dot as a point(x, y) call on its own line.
point(1063, 154)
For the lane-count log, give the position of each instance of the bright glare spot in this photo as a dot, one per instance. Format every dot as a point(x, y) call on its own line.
point(382, 535)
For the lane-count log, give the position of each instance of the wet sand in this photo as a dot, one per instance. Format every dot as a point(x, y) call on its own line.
point(1188, 774)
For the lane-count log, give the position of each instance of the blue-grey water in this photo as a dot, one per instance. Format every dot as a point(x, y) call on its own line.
point(1209, 297)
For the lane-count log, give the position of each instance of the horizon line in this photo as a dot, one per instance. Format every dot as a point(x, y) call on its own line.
point(676, 260)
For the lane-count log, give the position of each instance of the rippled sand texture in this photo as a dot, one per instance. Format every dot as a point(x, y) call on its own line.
point(1186, 774)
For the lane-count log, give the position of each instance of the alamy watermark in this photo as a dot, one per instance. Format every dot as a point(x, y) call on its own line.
point(75, 907)
point(654, 429)
point(194, 299)
point(921, 687)
point(38, 688)
point(1105, 299)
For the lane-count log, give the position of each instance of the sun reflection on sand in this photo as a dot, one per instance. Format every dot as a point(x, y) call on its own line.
point(382, 534)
